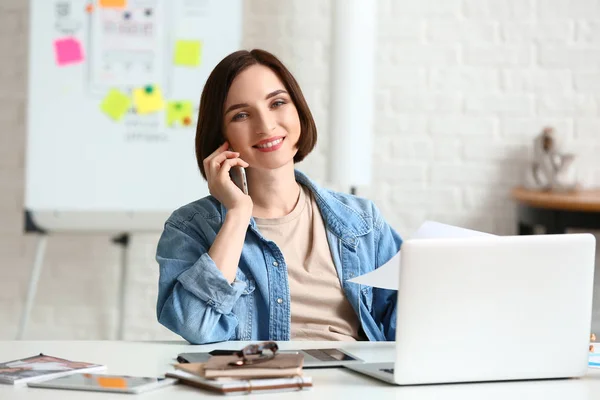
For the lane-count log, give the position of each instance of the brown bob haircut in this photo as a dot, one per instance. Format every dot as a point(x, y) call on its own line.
point(209, 131)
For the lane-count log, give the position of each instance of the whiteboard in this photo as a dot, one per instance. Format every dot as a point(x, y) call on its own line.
point(114, 88)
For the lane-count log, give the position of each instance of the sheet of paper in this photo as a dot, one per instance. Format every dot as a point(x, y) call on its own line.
point(388, 275)
point(68, 51)
point(115, 104)
point(188, 53)
point(437, 230)
point(179, 112)
point(148, 99)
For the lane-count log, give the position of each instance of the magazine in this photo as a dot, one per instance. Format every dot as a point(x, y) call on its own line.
point(42, 367)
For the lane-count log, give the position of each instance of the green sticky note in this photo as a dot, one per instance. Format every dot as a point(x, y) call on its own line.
point(115, 104)
point(179, 112)
point(188, 53)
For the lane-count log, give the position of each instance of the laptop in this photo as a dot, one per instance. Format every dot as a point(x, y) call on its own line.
point(492, 308)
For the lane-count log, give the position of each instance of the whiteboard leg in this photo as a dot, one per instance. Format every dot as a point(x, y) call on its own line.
point(36, 271)
point(122, 240)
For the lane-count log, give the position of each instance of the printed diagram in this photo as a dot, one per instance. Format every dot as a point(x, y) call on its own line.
point(127, 45)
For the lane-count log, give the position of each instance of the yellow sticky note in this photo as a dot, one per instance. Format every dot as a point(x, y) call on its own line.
point(115, 104)
point(179, 112)
point(148, 99)
point(188, 53)
point(112, 3)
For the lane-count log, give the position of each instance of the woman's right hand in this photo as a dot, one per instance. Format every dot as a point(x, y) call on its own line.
point(220, 185)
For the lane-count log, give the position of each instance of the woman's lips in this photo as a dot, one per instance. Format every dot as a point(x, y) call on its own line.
point(271, 145)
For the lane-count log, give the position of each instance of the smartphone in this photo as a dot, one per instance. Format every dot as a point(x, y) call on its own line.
point(238, 176)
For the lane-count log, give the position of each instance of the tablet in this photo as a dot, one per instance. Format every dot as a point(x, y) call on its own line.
point(105, 383)
point(313, 358)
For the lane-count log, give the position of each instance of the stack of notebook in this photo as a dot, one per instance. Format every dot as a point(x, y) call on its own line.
point(220, 374)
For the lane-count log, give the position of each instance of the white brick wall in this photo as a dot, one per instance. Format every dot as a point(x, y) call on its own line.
point(462, 87)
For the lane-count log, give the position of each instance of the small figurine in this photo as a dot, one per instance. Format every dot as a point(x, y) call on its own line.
point(551, 169)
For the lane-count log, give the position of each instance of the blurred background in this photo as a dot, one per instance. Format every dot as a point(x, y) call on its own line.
point(462, 88)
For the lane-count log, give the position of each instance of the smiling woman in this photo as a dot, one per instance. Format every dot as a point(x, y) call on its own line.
point(272, 264)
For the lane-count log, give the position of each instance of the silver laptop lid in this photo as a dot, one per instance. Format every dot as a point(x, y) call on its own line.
point(494, 308)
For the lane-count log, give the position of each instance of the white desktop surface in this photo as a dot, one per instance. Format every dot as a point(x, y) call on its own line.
point(155, 358)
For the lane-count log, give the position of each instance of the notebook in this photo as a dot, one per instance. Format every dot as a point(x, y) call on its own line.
point(239, 387)
point(221, 366)
point(42, 367)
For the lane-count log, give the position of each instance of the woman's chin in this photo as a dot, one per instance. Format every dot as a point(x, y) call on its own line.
point(272, 164)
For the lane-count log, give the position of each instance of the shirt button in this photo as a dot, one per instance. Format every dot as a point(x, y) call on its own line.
point(280, 300)
point(275, 264)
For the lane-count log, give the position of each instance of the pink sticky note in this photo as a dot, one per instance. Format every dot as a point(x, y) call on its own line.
point(68, 51)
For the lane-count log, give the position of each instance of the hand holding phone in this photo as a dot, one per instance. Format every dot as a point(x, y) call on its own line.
point(223, 168)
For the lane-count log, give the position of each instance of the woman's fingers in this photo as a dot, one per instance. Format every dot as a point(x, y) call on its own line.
point(219, 150)
point(218, 159)
point(215, 153)
point(230, 163)
point(212, 166)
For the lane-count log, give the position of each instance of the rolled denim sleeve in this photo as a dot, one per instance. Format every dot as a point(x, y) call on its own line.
point(194, 298)
point(205, 281)
point(387, 243)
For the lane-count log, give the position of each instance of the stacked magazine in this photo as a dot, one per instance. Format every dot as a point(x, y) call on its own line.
point(42, 367)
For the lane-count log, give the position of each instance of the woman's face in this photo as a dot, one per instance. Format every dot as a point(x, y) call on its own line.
point(261, 121)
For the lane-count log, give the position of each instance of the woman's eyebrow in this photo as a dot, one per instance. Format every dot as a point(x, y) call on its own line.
point(236, 106)
point(275, 93)
point(242, 105)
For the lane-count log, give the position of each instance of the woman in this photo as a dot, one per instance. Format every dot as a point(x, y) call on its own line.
point(273, 264)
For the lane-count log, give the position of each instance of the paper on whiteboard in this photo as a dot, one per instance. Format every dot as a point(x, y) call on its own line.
point(387, 276)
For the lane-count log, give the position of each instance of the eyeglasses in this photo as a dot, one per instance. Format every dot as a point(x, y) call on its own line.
point(253, 354)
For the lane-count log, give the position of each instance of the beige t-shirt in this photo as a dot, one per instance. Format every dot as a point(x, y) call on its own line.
point(319, 308)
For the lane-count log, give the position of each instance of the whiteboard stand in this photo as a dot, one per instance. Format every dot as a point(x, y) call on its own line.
point(123, 241)
point(36, 271)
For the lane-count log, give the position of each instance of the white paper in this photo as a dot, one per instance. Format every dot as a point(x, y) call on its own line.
point(388, 275)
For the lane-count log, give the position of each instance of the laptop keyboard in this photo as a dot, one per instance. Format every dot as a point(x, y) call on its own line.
point(388, 370)
point(320, 355)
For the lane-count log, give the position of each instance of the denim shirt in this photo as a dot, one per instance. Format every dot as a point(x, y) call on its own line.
point(198, 303)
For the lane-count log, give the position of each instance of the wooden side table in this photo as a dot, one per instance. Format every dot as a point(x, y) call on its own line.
point(557, 211)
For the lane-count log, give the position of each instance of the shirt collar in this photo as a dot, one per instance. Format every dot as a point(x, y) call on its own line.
point(344, 221)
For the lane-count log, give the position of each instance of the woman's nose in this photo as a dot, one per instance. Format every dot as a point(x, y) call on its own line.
point(265, 124)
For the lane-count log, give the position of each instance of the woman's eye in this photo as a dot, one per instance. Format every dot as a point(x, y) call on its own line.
point(277, 103)
point(239, 116)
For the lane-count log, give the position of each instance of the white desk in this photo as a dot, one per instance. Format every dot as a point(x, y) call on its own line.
point(154, 359)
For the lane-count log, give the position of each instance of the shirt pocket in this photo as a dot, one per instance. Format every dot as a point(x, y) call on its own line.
point(366, 296)
point(244, 308)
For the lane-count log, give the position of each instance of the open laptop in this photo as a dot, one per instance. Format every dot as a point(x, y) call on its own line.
point(492, 309)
